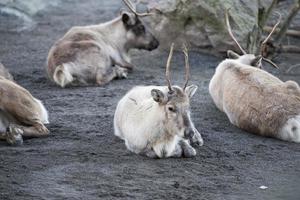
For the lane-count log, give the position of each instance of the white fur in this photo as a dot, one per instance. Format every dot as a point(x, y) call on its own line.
point(44, 112)
point(139, 121)
point(225, 85)
point(4, 121)
point(291, 130)
point(66, 76)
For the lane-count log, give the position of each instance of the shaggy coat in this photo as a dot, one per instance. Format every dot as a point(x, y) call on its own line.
point(156, 124)
point(255, 100)
point(20, 113)
point(97, 54)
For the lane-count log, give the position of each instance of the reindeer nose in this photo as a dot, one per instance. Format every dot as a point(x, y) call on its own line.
point(153, 44)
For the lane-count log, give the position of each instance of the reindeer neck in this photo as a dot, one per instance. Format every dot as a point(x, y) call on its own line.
point(114, 33)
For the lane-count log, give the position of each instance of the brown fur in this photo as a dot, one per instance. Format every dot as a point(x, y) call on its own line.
point(97, 54)
point(260, 102)
point(18, 102)
point(67, 51)
point(23, 112)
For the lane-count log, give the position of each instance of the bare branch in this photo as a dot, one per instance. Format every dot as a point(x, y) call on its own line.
point(168, 67)
point(267, 13)
point(290, 49)
point(273, 29)
point(187, 65)
point(290, 32)
point(292, 67)
point(295, 9)
point(231, 34)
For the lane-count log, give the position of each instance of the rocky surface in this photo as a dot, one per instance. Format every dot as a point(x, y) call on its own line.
point(202, 23)
point(82, 159)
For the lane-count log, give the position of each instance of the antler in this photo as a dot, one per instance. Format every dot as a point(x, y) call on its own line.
point(273, 29)
point(133, 9)
point(168, 67)
point(187, 65)
point(270, 62)
point(263, 47)
point(231, 34)
point(263, 44)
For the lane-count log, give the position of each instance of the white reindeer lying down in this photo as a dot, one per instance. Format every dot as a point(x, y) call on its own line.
point(155, 120)
point(21, 115)
point(255, 100)
point(97, 54)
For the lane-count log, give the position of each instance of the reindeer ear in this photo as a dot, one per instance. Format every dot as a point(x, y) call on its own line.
point(158, 96)
point(191, 90)
point(232, 54)
point(127, 19)
point(256, 61)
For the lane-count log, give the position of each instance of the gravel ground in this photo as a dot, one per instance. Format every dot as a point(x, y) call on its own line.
point(82, 159)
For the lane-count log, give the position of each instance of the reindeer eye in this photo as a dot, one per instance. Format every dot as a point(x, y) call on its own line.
point(172, 109)
point(139, 29)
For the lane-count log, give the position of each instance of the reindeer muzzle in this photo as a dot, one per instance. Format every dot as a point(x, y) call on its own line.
point(153, 44)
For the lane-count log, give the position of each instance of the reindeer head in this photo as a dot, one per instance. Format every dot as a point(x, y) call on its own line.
point(175, 102)
point(138, 35)
point(250, 59)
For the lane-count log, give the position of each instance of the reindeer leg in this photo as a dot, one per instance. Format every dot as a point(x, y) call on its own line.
point(196, 139)
point(122, 61)
point(114, 72)
point(13, 136)
point(15, 132)
point(149, 153)
point(188, 150)
point(177, 153)
point(37, 130)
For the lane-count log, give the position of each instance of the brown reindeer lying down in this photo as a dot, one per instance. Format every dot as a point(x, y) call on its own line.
point(255, 100)
point(97, 54)
point(21, 115)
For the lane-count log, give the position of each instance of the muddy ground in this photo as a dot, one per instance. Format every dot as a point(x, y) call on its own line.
point(82, 159)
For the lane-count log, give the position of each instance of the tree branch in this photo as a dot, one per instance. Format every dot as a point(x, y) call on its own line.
point(289, 32)
point(278, 38)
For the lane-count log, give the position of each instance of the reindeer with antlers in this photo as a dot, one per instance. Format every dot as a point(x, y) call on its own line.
point(253, 99)
point(155, 120)
point(97, 54)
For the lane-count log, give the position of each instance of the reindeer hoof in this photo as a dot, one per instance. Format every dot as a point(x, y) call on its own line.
point(196, 140)
point(189, 152)
point(42, 130)
point(122, 72)
point(14, 136)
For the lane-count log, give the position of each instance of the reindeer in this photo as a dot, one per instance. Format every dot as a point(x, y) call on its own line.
point(253, 99)
point(21, 115)
point(155, 121)
point(97, 54)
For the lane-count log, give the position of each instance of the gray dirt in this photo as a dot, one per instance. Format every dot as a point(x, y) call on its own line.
point(82, 159)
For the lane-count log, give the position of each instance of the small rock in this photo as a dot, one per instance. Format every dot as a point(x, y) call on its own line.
point(263, 187)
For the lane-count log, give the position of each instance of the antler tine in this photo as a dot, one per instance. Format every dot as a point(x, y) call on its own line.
point(168, 67)
point(187, 65)
point(270, 62)
point(132, 9)
point(263, 44)
point(274, 28)
point(231, 34)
